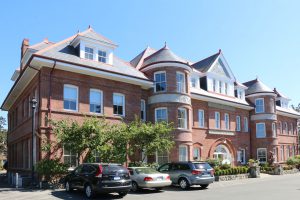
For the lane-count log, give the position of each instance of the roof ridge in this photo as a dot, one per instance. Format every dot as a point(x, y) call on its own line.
point(218, 53)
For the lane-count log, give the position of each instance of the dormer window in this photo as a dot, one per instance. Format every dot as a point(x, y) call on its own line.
point(101, 56)
point(89, 52)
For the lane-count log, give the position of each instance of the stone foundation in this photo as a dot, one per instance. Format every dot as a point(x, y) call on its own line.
point(231, 177)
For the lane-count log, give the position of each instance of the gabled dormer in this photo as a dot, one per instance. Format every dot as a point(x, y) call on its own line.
point(239, 90)
point(217, 75)
point(281, 100)
point(93, 46)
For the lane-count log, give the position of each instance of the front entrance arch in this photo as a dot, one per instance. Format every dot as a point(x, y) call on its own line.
point(223, 154)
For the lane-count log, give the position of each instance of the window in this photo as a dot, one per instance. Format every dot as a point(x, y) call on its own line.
point(214, 85)
point(183, 153)
point(220, 87)
point(119, 104)
point(217, 120)
point(89, 53)
point(182, 118)
point(227, 121)
point(193, 81)
point(143, 110)
point(245, 124)
point(160, 81)
point(286, 128)
point(161, 114)
point(162, 157)
point(292, 129)
point(180, 80)
point(226, 88)
point(196, 153)
point(101, 56)
point(238, 123)
point(241, 156)
point(201, 118)
point(95, 101)
point(260, 130)
point(281, 153)
point(259, 106)
point(280, 127)
point(262, 155)
point(287, 151)
point(69, 157)
point(275, 154)
point(273, 129)
point(70, 97)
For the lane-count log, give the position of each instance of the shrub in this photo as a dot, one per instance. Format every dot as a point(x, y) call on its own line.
point(225, 166)
point(213, 162)
point(51, 170)
point(291, 161)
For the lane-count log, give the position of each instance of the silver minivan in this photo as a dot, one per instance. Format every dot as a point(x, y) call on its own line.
point(189, 173)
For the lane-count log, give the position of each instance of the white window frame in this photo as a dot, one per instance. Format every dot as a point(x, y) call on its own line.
point(155, 82)
point(220, 87)
point(286, 128)
point(88, 53)
point(70, 157)
point(243, 153)
point(181, 158)
point(180, 86)
point(193, 82)
point(160, 108)
point(282, 153)
point(217, 120)
point(101, 100)
point(143, 104)
point(280, 128)
point(185, 119)
point(264, 125)
point(101, 57)
point(274, 130)
point(161, 155)
point(201, 121)
point(238, 123)
point(77, 97)
point(292, 129)
point(246, 125)
point(124, 103)
point(260, 106)
point(258, 157)
point(227, 121)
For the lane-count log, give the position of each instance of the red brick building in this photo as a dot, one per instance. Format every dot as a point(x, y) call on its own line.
point(215, 115)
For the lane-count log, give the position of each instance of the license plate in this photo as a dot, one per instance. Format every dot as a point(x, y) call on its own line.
point(117, 178)
point(159, 178)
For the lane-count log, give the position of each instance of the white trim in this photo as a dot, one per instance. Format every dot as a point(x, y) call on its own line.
point(263, 117)
point(160, 72)
point(256, 125)
point(101, 100)
point(144, 111)
point(265, 149)
point(274, 130)
point(184, 82)
point(160, 108)
point(123, 106)
point(263, 104)
point(227, 123)
point(186, 151)
point(77, 97)
point(238, 125)
point(166, 64)
point(261, 94)
point(203, 119)
point(162, 98)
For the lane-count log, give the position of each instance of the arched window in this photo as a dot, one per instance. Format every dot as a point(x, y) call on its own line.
point(222, 153)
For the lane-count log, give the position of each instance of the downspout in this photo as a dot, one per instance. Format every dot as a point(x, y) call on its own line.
point(50, 92)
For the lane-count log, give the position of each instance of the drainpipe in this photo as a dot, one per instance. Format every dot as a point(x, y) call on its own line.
point(50, 91)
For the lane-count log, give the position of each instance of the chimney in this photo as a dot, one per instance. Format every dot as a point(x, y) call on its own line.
point(24, 46)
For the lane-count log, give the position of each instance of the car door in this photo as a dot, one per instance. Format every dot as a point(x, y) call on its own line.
point(76, 179)
point(166, 169)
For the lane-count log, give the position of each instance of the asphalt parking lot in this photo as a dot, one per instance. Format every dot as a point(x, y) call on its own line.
point(266, 187)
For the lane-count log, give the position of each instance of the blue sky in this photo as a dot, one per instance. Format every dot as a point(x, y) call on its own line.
point(258, 38)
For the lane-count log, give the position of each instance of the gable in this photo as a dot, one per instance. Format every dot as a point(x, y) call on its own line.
point(220, 69)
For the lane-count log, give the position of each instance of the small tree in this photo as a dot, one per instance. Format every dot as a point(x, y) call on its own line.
point(150, 138)
point(3, 137)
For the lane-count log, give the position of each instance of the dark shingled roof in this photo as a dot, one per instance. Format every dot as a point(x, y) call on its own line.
point(163, 55)
point(137, 61)
point(90, 33)
point(205, 64)
point(256, 86)
point(279, 94)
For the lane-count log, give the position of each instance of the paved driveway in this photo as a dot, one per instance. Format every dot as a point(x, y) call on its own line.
point(265, 188)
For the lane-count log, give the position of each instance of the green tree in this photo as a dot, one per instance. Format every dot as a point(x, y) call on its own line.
point(150, 138)
point(3, 136)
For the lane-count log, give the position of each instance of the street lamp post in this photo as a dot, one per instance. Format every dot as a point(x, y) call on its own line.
point(33, 141)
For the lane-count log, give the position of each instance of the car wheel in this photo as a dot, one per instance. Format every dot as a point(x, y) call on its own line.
point(158, 189)
point(134, 186)
point(184, 184)
point(68, 187)
point(122, 194)
point(88, 190)
point(204, 186)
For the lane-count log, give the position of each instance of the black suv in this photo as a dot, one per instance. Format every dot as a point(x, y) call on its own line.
point(189, 173)
point(99, 177)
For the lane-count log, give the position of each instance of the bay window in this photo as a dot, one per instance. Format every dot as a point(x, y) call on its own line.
point(180, 81)
point(182, 118)
point(160, 81)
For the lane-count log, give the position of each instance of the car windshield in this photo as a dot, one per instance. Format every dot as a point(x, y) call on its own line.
point(146, 171)
point(202, 166)
point(108, 169)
